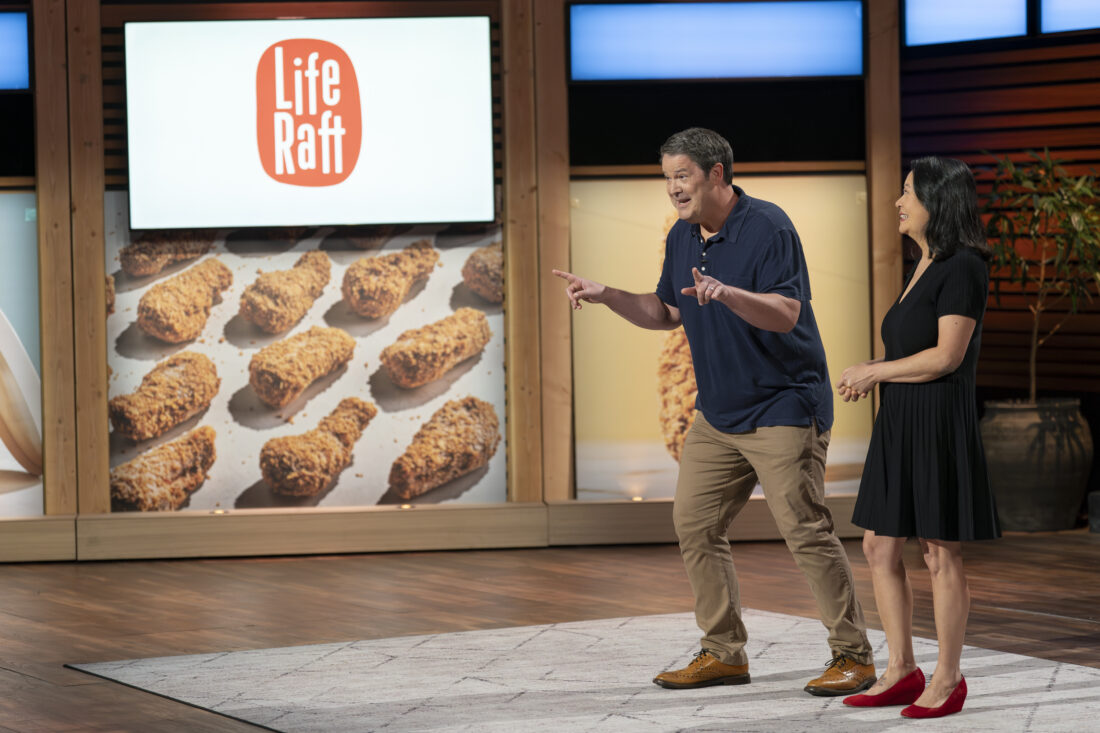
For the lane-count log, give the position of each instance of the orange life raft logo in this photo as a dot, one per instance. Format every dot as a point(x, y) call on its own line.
point(308, 120)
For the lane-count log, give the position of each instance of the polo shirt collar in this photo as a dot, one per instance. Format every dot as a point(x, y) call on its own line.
point(732, 227)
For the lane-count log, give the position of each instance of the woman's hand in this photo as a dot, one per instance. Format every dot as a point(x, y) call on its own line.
point(857, 381)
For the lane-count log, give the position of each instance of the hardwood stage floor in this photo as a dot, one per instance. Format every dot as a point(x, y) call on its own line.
point(1032, 594)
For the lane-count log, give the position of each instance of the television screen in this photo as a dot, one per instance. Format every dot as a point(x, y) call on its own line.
point(1069, 15)
point(614, 42)
point(950, 21)
point(15, 64)
point(309, 122)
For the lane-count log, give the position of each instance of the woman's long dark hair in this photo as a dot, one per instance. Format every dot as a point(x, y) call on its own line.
point(945, 187)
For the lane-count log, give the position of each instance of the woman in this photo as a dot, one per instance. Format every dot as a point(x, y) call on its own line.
point(925, 473)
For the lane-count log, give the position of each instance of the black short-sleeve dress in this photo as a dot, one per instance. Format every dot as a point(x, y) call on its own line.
point(925, 474)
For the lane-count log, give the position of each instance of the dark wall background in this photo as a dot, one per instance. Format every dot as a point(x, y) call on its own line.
point(777, 120)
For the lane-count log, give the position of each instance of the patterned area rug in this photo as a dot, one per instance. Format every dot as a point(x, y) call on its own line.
point(590, 676)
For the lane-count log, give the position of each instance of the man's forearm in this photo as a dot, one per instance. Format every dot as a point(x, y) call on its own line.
point(766, 311)
point(641, 309)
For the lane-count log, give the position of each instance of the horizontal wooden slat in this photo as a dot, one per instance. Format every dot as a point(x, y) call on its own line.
point(1021, 302)
point(1082, 161)
point(1070, 341)
point(1048, 369)
point(948, 143)
point(34, 539)
point(1001, 321)
point(17, 183)
point(253, 532)
point(1043, 383)
point(1023, 98)
point(991, 77)
point(1014, 121)
point(1047, 354)
point(995, 58)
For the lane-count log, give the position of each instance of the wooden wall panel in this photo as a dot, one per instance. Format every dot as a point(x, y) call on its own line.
point(521, 235)
point(623, 522)
point(883, 161)
point(89, 271)
point(55, 285)
point(970, 104)
point(318, 531)
point(552, 144)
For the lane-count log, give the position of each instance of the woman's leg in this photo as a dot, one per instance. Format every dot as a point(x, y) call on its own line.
point(951, 601)
point(894, 598)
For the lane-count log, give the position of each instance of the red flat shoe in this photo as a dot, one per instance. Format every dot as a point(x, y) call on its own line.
point(903, 692)
point(953, 704)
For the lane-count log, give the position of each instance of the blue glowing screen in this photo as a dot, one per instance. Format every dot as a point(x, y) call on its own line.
point(716, 40)
point(1069, 15)
point(15, 64)
point(949, 21)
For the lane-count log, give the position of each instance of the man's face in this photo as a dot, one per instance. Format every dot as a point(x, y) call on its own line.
point(687, 186)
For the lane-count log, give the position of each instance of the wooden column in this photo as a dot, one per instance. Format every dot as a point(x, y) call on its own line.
point(89, 295)
point(521, 253)
point(883, 109)
point(552, 144)
point(55, 283)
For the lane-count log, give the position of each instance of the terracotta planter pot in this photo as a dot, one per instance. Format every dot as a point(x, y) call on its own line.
point(1039, 458)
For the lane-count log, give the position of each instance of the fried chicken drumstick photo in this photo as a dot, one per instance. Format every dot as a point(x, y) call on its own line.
point(151, 252)
point(278, 300)
point(176, 309)
point(376, 286)
point(483, 272)
point(459, 438)
point(303, 465)
point(423, 355)
point(283, 370)
point(163, 478)
point(177, 388)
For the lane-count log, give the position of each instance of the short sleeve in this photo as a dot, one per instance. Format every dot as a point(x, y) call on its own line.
point(665, 291)
point(965, 286)
point(782, 268)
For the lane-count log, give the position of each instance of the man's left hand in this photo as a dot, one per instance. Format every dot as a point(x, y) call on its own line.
point(706, 288)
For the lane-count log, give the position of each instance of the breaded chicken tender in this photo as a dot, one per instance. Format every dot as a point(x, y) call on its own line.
point(423, 355)
point(110, 294)
point(282, 371)
point(676, 390)
point(302, 465)
point(459, 438)
point(278, 300)
point(176, 309)
point(163, 478)
point(177, 388)
point(151, 252)
point(483, 272)
point(376, 286)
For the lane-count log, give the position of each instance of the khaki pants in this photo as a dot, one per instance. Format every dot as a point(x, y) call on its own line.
point(718, 472)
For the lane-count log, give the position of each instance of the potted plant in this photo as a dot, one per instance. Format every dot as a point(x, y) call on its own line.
point(1044, 229)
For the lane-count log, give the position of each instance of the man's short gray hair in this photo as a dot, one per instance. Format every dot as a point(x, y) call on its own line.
point(706, 148)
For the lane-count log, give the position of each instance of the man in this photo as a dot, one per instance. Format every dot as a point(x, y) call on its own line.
point(735, 276)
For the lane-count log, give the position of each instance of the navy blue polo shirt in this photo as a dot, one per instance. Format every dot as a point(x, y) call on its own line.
point(749, 377)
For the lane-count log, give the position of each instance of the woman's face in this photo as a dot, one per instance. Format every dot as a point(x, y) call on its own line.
point(912, 216)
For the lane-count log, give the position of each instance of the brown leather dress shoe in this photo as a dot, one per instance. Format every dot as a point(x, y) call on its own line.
point(705, 670)
point(843, 676)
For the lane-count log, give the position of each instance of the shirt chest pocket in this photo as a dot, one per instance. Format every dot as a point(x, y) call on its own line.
point(738, 281)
